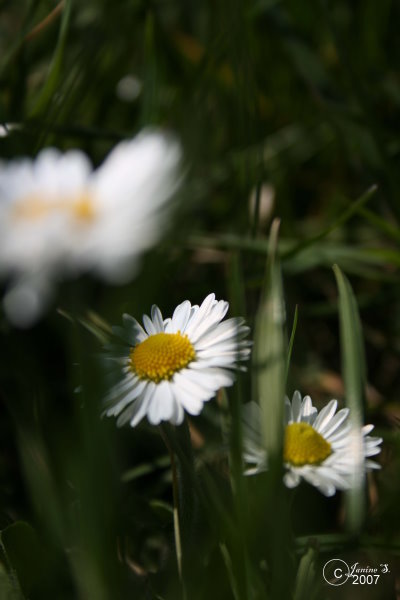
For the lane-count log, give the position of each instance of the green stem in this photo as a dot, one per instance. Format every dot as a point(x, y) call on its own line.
point(175, 495)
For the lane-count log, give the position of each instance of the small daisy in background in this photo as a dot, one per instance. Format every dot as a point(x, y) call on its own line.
point(175, 365)
point(318, 446)
point(60, 218)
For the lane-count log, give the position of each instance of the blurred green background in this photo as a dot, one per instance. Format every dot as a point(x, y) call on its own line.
point(284, 109)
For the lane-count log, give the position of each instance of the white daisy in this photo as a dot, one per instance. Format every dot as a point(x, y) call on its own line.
point(175, 365)
point(318, 447)
point(58, 216)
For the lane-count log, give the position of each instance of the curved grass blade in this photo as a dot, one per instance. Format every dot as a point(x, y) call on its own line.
point(345, 216)
point(354, 375)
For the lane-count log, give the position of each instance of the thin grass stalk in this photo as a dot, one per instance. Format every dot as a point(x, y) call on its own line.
point(176, 511)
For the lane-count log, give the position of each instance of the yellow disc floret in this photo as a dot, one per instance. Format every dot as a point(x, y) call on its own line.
point(161, 355)
point(83, 208)
point(303, 445)
point(33, 208)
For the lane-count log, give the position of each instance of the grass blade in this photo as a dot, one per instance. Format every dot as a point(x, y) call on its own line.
point(341, 220)
point(269, 353)
point(270, 357)
point(354, 375)
point(291, 341)
point(50, 86)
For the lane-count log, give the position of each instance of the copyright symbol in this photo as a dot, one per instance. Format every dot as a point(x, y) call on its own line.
point(336, 572)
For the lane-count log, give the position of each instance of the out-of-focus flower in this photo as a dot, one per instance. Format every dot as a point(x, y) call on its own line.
point(176, 364)
point(266, 202)
point(129, 88)
point(8, 128)
point(318, 447)
point(59, 217)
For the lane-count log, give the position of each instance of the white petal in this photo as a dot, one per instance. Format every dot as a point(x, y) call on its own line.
point(136, 330)
point(372, 451)
point(137, 410)
point(191, 404)
point(126, 399)
point(225, 331)
point(288, 411)
point(143, 407)
point(291, 479)
point(157, 319)
point(308, 411)
point(122, 387)
point(154, 410)
point(367, 429)
point(325, 415)
point(199, 315)
point(180, 318)
point(371, 464)
point(327, 489)
point(210, 322)
point(149, 325)
point(210, 378)
point(162, 404)
point(296, 406)
point(178, 412)
point(334, 424)
point(192, 388)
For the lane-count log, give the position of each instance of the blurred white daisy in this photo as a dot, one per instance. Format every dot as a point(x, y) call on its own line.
point(60, 217)
point(318, 447)
point(176, 364)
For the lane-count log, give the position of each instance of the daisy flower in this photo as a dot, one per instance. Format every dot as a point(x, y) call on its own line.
point(318, 446)
point(60, 217)
point(174, 365)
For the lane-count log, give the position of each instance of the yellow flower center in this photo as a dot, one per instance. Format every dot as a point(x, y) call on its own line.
point(161, 355)
point(304, 446)
point(34, 207)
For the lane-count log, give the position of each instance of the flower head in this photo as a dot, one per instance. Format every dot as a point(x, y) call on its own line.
point(176, 364)
point(318, 446)
point(59, 217)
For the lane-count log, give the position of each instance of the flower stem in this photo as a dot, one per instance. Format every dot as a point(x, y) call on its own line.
point(175, 496)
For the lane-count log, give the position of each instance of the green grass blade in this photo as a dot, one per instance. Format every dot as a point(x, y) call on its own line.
point(270, 362)
point(341, 220)
point(269, 353)
point(354, 375)
point(380, 224)
point(291, 341)
point(231, 571)
point(50, 86)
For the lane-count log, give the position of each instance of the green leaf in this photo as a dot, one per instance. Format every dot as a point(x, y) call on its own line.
point(354, 375)
point(162, 462)
point(305, 578)
point(269, 353)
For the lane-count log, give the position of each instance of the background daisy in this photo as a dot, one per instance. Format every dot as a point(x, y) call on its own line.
point(58, 216)
point(174, 365)
point(318, 446)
